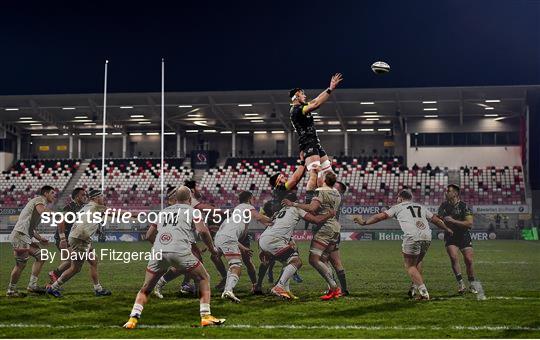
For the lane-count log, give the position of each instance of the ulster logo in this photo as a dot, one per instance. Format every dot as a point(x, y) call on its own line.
point(165, 238)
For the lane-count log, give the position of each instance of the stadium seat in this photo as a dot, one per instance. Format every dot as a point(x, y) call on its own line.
point(134, 183)
point(23, 180)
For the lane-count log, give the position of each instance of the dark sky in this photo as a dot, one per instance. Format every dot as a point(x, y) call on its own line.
point(237, 45)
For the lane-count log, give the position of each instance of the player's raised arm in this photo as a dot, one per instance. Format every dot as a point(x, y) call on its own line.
point(257, 216)
point(372, 220)
point(319, 219)
point(312, 207)
point(296, 177)
point(323, 97)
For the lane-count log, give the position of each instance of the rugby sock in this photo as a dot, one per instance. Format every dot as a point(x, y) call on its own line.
point(162, 281)
point(422, 289)
point(58, 272)
point(136, 311)
point(471, 279)
point(342, 279)
point(12, 287)
point(459, 277)
point(271, 271)
point(326, 273)
point(33, 281)
point(262, 273)
point(98, 288)
point(56, 285)
point(287, 286)
point(232, 280)
point(204, 309)
point(169, 275)
point(286, 275)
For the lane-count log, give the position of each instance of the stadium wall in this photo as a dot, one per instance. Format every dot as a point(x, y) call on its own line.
point(52, 147)
point(455, 157)
point(6, 158)
point(453, 125)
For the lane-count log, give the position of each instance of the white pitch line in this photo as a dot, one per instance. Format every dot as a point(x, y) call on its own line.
point(457, 297)
point(513, 298)
point(503, 262)
point(299, 327)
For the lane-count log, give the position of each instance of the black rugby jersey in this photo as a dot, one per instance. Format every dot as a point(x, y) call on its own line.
point(303, 124)
point(71, 207)
point(459, 212)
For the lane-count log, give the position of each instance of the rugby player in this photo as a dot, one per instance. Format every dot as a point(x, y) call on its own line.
point(334, 257)
point(458, 216)
point(24, 247)
point(80, 243)
point(325, 239)
point(229, 236)
point(151, 233)
point(303, 123)
point(413, 219)
point(78, 200)
point(281, 184)
point(276, 241)
point(174, 240)
point(196, 196)
point(266, 263)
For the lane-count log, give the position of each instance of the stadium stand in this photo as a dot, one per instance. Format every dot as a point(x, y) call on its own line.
point(221, 186)
point(134, 183)
point(24, 179)
point(372, 181)
point(492, 186)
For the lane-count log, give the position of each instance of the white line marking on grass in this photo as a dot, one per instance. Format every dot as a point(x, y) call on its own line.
point(300, 327)
point(503, 262)
point(513, 298)
point(457, 297)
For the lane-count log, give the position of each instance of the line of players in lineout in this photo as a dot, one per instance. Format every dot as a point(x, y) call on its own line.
point(181, 255)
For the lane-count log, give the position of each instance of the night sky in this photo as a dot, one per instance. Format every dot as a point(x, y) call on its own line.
point(236, 45)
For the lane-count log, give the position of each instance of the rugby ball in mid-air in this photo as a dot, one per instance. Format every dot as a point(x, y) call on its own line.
point(380, 67)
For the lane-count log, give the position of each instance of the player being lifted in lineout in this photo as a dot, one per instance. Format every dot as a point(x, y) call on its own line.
point(303, 123)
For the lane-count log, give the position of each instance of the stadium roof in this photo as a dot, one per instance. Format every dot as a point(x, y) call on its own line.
point(255, 110)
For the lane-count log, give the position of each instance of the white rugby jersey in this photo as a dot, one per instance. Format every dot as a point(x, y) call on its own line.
point(285, 221)
point(413, 219)
point(29, 218)
point(84, 228)
point(330, 199)
point(235, 222)
point(176, 229)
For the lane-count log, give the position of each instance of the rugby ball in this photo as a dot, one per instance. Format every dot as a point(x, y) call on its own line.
point(380, 67)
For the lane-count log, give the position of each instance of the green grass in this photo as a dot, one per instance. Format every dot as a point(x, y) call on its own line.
point(378, 306)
